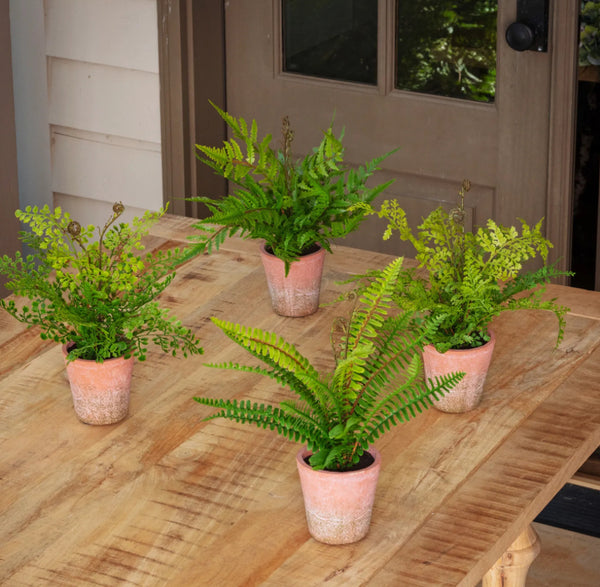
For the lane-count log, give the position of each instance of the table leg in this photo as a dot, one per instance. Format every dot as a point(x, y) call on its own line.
point(511, 568)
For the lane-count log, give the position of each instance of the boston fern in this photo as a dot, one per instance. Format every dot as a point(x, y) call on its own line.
point(96, 291)
point(465, 279)
point(376, 382)
point(292, 205)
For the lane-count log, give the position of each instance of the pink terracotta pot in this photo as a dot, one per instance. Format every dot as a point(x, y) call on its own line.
point(338, 505)
point(100, 390)
point(475, 363)
point(297, 294)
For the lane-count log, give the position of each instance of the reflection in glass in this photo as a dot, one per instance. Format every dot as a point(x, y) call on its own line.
point(589, 34)
point(447, 47)
point(335, 39)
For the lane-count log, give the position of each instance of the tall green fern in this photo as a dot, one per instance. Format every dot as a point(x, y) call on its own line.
point(292, 205)
point(376, 383)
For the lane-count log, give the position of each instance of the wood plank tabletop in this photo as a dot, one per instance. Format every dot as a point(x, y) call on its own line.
point(163, 498)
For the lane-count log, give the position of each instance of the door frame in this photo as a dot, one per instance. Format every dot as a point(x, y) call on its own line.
point(191, 46)
point(9, 226)
point(564, 22)
point(192, 70)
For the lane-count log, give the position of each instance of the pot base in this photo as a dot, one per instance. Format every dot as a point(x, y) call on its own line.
point(466, 395)
point(296, 294)
point(100, 390)
point(338, 505)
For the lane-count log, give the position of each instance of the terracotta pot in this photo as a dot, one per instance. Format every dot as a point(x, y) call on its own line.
point(473, 362)
point(100, 390)
point(338, 504)
point(297, 294)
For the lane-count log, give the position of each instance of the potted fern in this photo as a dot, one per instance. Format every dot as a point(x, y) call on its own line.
point(294, 207)
point(95, 294)
point(462, 282)
point(376, 383)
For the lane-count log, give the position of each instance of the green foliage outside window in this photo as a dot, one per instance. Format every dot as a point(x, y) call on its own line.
point(447, 48)
point(589, 34)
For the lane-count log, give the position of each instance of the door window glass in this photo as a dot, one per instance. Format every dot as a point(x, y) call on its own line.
point(442, 47)
point(589, 34)
point(447, 48)
point(334, 39)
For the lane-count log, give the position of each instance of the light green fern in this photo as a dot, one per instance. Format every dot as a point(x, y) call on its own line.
point(465, 279)
point(376, 384)
point(292, 205)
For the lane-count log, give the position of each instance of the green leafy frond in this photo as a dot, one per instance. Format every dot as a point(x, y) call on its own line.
point(350, 372)
point(265, 416)
point(406, 403)
point(396, 363)
point(375, 301)
point(268, 345)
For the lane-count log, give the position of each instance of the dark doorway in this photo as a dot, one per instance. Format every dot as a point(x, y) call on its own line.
point(586, 186)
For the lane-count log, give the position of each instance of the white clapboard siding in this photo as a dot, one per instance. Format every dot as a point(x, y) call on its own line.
point(87, 211)
point(107, 171)
point(121, 33)
point(104, 99)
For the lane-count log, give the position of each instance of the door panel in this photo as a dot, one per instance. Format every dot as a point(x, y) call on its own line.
point(502, 147)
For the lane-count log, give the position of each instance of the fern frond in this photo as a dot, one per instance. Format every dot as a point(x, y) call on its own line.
point(262, 416)
point(267, 345)
point(405, 403)
point(375, 302)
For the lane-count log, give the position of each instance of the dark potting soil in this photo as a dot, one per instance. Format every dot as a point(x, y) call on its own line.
point(366, 460)
point(309, 251)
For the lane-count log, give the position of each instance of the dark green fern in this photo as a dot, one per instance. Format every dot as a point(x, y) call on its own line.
point(292, 205)
point(376, 384)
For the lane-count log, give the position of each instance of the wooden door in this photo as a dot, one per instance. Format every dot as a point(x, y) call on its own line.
point(515, 150)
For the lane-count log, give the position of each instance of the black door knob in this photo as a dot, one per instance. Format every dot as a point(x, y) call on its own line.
point(520, 36)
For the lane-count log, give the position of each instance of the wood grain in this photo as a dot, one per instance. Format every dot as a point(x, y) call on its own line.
point(164, 498)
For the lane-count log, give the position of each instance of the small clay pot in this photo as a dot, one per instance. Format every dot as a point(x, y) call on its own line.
point(100, 391)
point(338, 505)
point(296, 294)
point(475, 363)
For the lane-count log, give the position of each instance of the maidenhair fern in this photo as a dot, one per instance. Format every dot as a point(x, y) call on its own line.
point(292, 205)
point(376, 384)
point(92, 286)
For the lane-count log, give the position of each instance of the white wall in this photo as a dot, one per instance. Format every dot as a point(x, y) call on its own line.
point(101, 103)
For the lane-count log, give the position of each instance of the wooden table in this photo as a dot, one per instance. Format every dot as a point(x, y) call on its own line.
point(166, 499)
